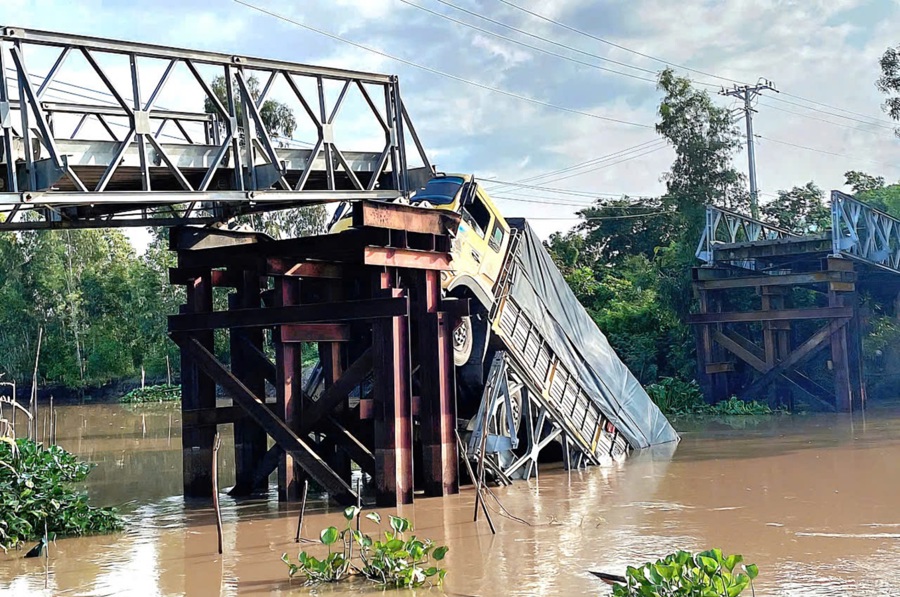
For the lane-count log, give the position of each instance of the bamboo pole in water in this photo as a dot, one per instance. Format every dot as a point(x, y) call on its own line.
point(215, 487)
point(32, 403)
point(465, 455)
point(302, 510)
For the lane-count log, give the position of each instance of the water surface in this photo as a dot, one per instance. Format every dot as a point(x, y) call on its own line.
point(811, 499)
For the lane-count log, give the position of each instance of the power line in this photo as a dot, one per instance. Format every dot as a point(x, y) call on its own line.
point(824, 105)
point(439, 72)
point(748, 93)
point(811, 117)
point(532, 35)
point(586, 163)
point(689, 69)
point(823, 151)
point(613, 44)
point(868, 122)
point(663, 145)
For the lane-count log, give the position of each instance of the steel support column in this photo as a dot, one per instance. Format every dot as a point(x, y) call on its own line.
point(393, 428)
point(198, 392)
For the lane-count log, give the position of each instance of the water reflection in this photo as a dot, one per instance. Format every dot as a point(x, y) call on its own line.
point(810, 499)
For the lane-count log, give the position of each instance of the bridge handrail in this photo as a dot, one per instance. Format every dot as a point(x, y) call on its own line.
point(859, 230)
point(726, 226)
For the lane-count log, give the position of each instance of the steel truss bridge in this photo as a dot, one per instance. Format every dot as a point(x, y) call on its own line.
point(162, 167)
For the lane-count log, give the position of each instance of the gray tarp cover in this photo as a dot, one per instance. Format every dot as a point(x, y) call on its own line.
point(543, 293)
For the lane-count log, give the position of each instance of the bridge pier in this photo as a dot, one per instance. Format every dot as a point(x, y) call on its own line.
point(784, 328)
point(371, 299)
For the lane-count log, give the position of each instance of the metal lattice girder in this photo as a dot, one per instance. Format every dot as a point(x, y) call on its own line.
point(861, 232)
point(210, 166)
point(724, 227)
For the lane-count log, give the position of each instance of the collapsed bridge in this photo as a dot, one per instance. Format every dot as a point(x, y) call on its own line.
point(384, 396)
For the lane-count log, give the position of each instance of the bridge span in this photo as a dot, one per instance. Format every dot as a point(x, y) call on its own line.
point(779, 314)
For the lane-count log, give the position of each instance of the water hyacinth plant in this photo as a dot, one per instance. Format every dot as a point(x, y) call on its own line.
point(35, 495)
point(398, 561)
point(706, 574)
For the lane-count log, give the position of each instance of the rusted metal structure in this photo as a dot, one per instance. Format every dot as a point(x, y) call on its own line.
point(779, 312)
point(371, 299)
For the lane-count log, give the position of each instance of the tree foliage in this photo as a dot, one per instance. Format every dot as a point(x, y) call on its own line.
point(277, 117)
point(801, 210)
point(889, 82)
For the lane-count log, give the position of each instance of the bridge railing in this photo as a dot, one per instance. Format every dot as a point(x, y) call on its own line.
point(116, 145)
point(860, 231)
point(728, 227)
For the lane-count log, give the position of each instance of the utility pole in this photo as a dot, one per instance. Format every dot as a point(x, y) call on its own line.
point(748, 93)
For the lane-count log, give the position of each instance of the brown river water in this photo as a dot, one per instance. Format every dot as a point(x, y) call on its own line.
point(812, 499)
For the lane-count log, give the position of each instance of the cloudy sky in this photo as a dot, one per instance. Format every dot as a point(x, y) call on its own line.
point(821, 54)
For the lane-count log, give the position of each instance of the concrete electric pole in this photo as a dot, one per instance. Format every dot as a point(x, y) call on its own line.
point(748, 93)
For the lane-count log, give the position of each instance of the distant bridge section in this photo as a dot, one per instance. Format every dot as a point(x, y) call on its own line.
point(858, 231)
point(776, 343)
point(114, 156)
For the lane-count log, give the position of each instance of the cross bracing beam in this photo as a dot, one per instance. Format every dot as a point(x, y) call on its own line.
point(117, 156)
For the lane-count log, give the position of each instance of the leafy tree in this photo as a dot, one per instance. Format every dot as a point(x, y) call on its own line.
point(889, 82)
point(704, 137)
point(873, 191)
point(277, 117)
point(280, 121)
point(801, 210)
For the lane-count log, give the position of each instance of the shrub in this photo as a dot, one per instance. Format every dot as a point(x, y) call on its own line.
point(34, 491)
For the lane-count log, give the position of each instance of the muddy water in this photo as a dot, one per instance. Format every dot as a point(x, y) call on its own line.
point(813, 500)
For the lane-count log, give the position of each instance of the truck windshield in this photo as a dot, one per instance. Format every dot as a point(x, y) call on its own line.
point(440, 191)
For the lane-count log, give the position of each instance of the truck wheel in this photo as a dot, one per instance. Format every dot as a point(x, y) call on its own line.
point(462, 342)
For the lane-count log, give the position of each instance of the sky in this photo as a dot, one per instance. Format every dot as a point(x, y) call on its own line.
point(508, 112)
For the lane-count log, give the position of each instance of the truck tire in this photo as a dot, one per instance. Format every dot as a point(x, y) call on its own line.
point(471, 371)
point(462, 341)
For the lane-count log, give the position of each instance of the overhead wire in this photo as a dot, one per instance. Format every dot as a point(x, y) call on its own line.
point(435, 71)
point(532, 35)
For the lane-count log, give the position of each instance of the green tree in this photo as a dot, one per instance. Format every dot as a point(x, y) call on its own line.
point(277, 117)
point(705, 138)
point(801, 210)
point(873, 191)
point(889, 82)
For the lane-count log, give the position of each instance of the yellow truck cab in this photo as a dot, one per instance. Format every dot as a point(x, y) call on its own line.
point(477, 254)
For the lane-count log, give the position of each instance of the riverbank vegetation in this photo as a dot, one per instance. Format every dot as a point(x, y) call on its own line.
point(37, 499)
point(153, 394)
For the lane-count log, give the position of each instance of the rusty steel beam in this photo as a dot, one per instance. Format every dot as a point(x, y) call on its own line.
point(437, 377)
point(782, 315)
point(220, 278)
point(198, 392)
point(337, 488)
point(288, 390)
point(333, 395)
point(406, 258)
point(315, 332)
point(276, 266)
point(393, 425)
point(396, 216)
point(280, 315)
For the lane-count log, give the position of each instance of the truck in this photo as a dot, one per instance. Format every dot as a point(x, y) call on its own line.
point(528, 352)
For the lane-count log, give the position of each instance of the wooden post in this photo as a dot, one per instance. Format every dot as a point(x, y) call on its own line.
point(249, 437)
point(393, 429)
point(198, 392)
point(438, 401)
point(288, 390)
point(841, 362)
